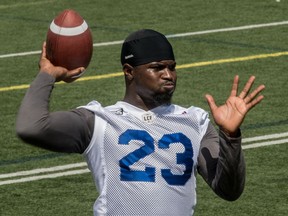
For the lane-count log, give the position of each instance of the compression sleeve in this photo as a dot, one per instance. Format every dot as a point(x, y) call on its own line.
point(221, 163)
point(68, 131)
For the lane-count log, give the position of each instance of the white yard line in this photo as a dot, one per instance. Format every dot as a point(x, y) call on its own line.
point(186, 34)
point(268, 143)
point(33, 175)
point(239, 28)
point(22, 5)
point(43, 170)
point(265, 137)
point(47, 176)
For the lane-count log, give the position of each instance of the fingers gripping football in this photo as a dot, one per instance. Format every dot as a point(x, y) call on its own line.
point(59, 73)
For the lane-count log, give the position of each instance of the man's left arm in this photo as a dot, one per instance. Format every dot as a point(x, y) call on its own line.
point(221, 163)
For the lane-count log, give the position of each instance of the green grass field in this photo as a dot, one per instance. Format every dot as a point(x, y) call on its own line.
point(207, 62)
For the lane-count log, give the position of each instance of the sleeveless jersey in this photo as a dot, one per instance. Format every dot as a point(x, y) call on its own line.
point(144, 162)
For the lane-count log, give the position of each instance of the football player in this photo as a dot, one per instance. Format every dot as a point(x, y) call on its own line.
point(144, 151)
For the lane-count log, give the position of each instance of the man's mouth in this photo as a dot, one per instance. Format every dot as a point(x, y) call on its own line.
point(169, 85)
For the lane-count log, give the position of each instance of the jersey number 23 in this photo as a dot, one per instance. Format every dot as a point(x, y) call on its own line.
point(148, 175)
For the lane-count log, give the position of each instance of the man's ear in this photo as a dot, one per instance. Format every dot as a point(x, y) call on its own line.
point(128, 71)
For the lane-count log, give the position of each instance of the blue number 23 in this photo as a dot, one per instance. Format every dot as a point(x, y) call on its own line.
point(148, 175)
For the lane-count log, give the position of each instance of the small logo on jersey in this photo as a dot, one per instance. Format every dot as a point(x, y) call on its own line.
point(119, 111)
point(148, 117)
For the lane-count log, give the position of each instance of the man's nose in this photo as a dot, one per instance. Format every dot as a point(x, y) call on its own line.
point(167, 73)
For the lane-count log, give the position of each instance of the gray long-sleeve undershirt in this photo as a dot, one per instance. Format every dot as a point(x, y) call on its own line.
point(220, 162)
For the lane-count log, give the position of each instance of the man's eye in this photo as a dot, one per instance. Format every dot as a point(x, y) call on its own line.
point(172, 67)
point(157, 67)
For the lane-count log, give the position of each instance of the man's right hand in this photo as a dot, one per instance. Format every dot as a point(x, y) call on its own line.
point(59, 73)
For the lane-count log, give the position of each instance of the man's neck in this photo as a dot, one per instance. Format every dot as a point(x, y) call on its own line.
point(146, 104)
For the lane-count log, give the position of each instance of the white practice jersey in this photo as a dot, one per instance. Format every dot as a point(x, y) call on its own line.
point(144, 162)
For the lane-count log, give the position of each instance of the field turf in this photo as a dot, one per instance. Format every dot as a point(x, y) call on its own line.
point(212, 40)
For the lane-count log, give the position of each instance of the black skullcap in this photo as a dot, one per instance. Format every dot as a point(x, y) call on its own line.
point(144, 46)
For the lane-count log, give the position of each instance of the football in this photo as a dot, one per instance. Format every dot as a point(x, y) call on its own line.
point(69, 41)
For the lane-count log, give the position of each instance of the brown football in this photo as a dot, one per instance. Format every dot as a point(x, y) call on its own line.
point(69, 41)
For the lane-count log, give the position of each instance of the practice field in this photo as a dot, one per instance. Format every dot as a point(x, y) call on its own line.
point(212, 40)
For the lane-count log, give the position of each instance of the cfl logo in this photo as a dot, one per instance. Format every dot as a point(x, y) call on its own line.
point(148, 117)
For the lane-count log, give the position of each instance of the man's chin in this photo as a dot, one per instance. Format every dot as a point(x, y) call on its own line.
point(164, 98)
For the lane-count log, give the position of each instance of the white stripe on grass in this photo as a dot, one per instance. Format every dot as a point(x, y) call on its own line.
point(239, 28)
point(32, 175)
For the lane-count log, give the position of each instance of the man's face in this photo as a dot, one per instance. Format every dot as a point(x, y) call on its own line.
point(156, 80)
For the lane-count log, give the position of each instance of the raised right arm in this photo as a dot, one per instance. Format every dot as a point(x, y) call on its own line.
point(65, 131)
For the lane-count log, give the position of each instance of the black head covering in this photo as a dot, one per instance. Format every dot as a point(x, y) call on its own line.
point(144, 46)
